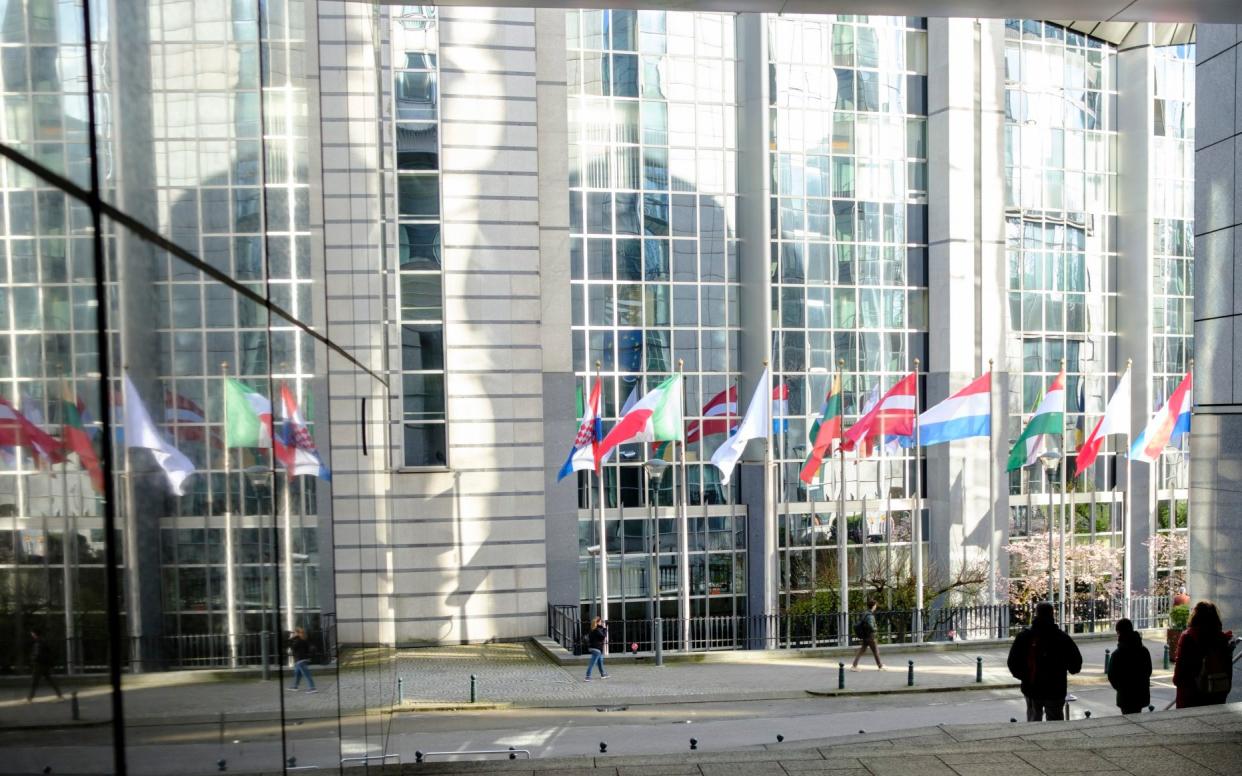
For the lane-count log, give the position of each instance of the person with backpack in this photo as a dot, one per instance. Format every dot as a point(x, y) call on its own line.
point(1203, 673)
point(596, 639)
point(1129, 671)
point(865, 630)
point(300, 649)
point(1041, 658)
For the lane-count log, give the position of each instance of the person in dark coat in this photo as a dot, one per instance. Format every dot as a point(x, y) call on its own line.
point(1041, 658)
point(300, 649)
point(1204, 645)
point(1129, 672)
point(40, 665)
point(596, 640)
point(865, 631)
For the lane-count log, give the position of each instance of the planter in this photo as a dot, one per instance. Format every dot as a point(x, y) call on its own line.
point(1171, 636)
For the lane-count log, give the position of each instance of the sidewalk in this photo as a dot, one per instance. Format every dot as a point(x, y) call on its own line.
point(522, 675)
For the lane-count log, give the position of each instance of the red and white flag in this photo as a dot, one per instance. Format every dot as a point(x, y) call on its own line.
point(893, 415)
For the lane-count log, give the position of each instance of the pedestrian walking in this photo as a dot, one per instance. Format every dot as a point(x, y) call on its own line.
point(596, 638)
point(865, 630)
point(1041, 658)
point(300, 649)
point(1203, 674)
point(41, 665)
point(1129, 671)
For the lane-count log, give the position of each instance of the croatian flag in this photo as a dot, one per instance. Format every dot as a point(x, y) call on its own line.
point(582, 454)
point(1171, 420)
point(298, 453)
point(965, 414)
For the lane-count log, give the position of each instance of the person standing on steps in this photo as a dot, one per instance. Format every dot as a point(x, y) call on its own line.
point(300, 649)
point(595, 643)
point(1203, 673)
point(1129, 671)
point(41, 665)
point(1041, 658)
point(865, 630)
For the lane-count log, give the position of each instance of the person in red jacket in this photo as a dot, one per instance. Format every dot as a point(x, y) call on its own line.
point(1205, 648)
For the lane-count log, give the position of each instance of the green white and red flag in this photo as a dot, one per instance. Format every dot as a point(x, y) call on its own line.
point(1049, 419)
point(653, 418)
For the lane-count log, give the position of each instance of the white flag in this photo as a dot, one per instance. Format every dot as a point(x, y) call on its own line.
point(756, 424)
point(141, 432)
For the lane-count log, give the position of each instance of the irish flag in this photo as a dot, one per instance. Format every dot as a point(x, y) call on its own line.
point(1049, 418)
point(655, 417)
point(247, 416)
point(824, 430)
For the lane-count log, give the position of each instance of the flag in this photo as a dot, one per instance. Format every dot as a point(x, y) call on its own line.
point(755, 425)
point(16, 430)
point(247, 416)
point(1170, 420)
point(1049, 418)
point(582, 455)
point(295, 447)
point(965, 414)
point(780, 408)
point(873, 398)
point(141, 433)
point(78, 440)
point(656, 416)
point(824, 430)
point(892, 416)
point(719, 414)
point(1116, 420)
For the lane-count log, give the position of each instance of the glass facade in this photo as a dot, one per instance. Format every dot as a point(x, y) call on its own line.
point(653, 202)
point(848, 140)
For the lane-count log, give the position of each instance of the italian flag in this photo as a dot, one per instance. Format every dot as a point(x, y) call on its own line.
point(78, 439)
point(1049, 418)
point(824, 430)
point(247, 416)
point(653, 418)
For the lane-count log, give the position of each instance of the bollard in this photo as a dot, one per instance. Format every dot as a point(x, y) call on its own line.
point(910, 674)
point(1087, 713)
point(264, 656)
point(400, 690)
point(694, 744)
point(222, 764)
point(74, 711)
point(779, 738)
point(512, 753)
point(1166, 657)
point(603, 747)
point(1108, 657)
point(418, 756)
point(474, 692)
point(840, 676)
point(978, 670)
point(659, 641)
point(1151, 708)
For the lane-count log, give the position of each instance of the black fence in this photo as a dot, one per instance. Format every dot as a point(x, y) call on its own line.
point(779, 631)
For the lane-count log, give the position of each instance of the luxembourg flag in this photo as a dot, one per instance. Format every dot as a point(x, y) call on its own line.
point(1169, 421)
point(965, 414)
point(780, 408)
point(582, 454)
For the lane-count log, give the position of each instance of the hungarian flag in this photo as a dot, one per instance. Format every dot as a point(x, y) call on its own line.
point(655, 417)
point(1049, 418)
point(78, 439)
point(719, 414)
point(824, 430)
point(892, 416)
point(16, 430)
point(1116, 420)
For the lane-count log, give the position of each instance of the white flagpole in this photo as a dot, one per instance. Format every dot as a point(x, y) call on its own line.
point(918, 514)
point(1127, 561)
point(602, 525)
point(843, 576)
point(1061, 522)
point(229, 570)
point(992, 549)
point(683, 534)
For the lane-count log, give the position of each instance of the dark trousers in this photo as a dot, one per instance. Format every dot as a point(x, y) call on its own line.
point(43, 672)
point(1136, 708)
point(1039, 709)
point(868, 644)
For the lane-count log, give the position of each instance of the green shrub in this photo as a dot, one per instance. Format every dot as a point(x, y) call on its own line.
point(1178, 616)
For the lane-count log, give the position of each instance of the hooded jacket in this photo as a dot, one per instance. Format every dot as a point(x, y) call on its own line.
point(1129, 672)
point(1192, 648)
point(1041, 657)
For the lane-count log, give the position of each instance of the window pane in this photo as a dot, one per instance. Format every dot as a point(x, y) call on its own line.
point(418, 196)
point(423, 396)
point(425, 444)
point(422, 347)
point(420, 297)
point(420, 246)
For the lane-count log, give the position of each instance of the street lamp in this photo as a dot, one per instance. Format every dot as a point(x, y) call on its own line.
point(654, 470)
point(1050, 461)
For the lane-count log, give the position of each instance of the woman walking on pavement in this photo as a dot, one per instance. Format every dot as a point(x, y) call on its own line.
point(865, 629)
point(595, 642)
point(1129, 671)
point(300, 648)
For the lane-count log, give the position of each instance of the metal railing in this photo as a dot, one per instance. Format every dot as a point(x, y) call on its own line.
point(783, 631)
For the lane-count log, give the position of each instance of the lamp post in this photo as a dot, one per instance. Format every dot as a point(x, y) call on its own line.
point(1050, 461)
point(654, 470)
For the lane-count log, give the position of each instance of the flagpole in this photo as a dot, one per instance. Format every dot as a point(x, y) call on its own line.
point(992, 549)
point(771, 571)
point(843, 577)
point(602, 524)
point(229, 582)
point(918, 514)
point(683, 537)
point(778, 500)
point(287, 508)
point(69, 543)
point(1127, 560)
point(1061, 522)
